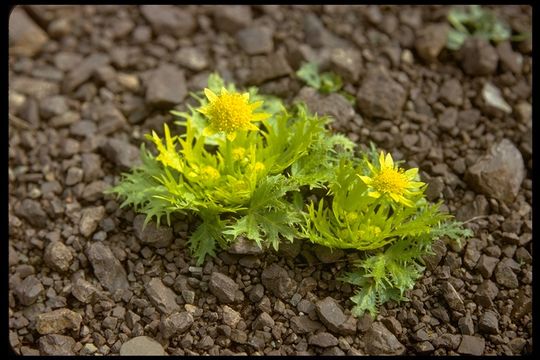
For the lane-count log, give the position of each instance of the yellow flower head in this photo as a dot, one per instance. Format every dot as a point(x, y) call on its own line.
point(210, 172)
point(238, 153)
point(229, 112)
point(392, 181)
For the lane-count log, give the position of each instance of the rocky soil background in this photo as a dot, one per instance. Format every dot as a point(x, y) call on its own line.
point(87, 82)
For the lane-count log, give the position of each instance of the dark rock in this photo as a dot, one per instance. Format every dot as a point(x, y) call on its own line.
point(168, 19)
point(232, 18)
point(107, 268)
point(192, 58)
point(323, 340)
point(448, 341)
point(142, 345)
point(84, 71)
point(328, 256)
point(478, 207)
point(205, 343)
point(290, 249)
point(346, 62)
point(166, 86)
point(517, 345)
point(32, 212)
point(58, 256)
point(91, 165)
point(250, 261)
point(66, 61)
point(158, 237)
point(522, 305)
point(244, 246)
point(83, 291)
point(452, 297)
point(304, 325)
point(35, 88)
point(510, 59)
point(121, 153)
point(90, 218)
point(255, 40)
point(333, 105)
point(57, 321)
point(29, 290)
point(380, 96)
point(74, 176)
point(330, 314)
point(466, 325)
point(505, 276)
point(423, 348)
point(94, 191)
point(430, 40)
point(499, 173)
point(486, 293)
point(25, 37)
point(55, 344)
point(317, 35)
point(478, 57)
point(451, 92)
point(471, 345)
point(256, 293)
point(223, 287)
point(162, 297)
point(441, 314)
point(53, 106)
point(110, 119)
point(268, 67)
point(263, 320)
point(175, 324)
point(380, 341)
point(486, 265)
point(231, 317)
point(488, 323)
point(471, 256)
point(277, 281)
point(65, 119)
point(393, 325)
point(435, 188)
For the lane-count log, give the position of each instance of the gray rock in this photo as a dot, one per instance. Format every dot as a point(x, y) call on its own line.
point(91, 165)
point(486, 265)
point(451, 92)
point(277, 281)
point(510, 59)
point(230, 316)
point(66, 61)
point(36, 88)
point(29, 290)
point(499, 173)
point(158, 237)
point(244, 246)
point(380, 96)
point(107, 268)
point(74, 176)
point(166, 86)
point(65, 119)
point(471, 256)
point(162, 297)
point(494, 100)
point(94, 191)
point(232, 18)
point(471, 345)
point(205, 343)
point(478, 57)
point(121, 153)
point(323, 339)
point(90, 218)
point(110, 119)
point(53, 106)
point(268, 67)
point(333, 105)
point(430, 40)
point(423, 348)
point(223, 287)
point(189, 296)
point(448, 341)
point(393, 325)
point(168, 19)
point(452, 297)
point(380, 341)
point(25, 37)
point(330, 314)
point(81, 73)
point(55, 344)
point(58, 256)
point(486, 293)
point(32, 212)
point(327, 255)
point(262, 320)
point(478, 207)
point(250, 261)
point(304, 325)
point(175, 324)
point(255, 40)
point(192, 58)
point(489, 323)
point(346, 62)
point(466, 325)
point(505, 276)
point(57, 321)
point(83, 291)
point(317, 35)
point(517, 345)
point(290, 249)
point(256, 293)
point(142, 345)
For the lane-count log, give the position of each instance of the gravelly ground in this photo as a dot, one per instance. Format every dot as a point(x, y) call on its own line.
point(86, 82)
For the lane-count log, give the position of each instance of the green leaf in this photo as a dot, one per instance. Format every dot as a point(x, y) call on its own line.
point(330, 82)
point(309, 73)
point(203, 240)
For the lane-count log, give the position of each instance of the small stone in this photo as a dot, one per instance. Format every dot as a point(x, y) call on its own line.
point(317, 35)
point(94, 191)
point(91, 165)
point(158, 237)
point(25, 37)
point(88, 349)
point(168, 19)
point(328, 256)
point(32, 212)
point(466, 325)
point(244, 246)
point(486, 265)
point(256, 293)
point(58, 256)
point(505, 276)
point(452, 297)
point(83, 71)
point(494, 100)
point(451, 92)
point(53, 106)
point(166, 86)
point(330, 314)
point(55, 344)
point(333, 105)
point(142, 345)
point(255, 40)
point(111, 119)
point(192, 58)
point(129, 82)
point(380, 96)
point(380, 341)
point(304, 325)
point(268, 67)
point(29, 290)
point(488, 323)
point(486, 293)
point(162, 297)
point(230, 316)
point(263, 320)
point(323, 340)
point(83, 291)
point(510, 59)
point(223, 287)
point(74, 176)
point(276, 279)
point(107, 268)
point(423, 348)
point(121, 153)
point(524, 112)
point(478, 57)
point(34, 88)
point(232, 18)
point(90, 218)
point(471, 345)
point(189, 296)
point(57, 321)
point(176, 324)
point(393, 325)
point(65, 119)
point(66, 61)
point(517, 345)
point(498, 173)
point(430, 40)
point(346, 62)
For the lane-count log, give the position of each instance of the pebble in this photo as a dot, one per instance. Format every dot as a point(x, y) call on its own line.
point(162, 297)
point(83, 290)
point(58, 256)
point(169, 19)
point(346, 62)
point(451, 92)
point(191, 58)
point(276, 280)
point(26, 38)
point(35, 88)
point(83, 71)
point(466, 325)
point(244, 246)
point(232, 18)
point(323, 339)
point(29, 290)
point(494, 100)
point(94, 191)
point(489, 324)
point(255, 40)
point(380, 96)
point(53, 106)
point(510, 59)
point(107, 268)
point(223, 287)
point(262, 321)
point(430, 40)
point(268, 67)
point(486, 265)
point(330, 314)
point(121, 153)
point(452, 297)
point(142, 345)
point(505, 276)
point(380, 341)
point(175, 324)
point(158, 237)
point(57, 321)
point(55, 344)
point(256, 293)
point(91, 166)
point(90, 218)
point(333, 105)
point(74, 176)
point(471, 345)
point(231, 317)
point(478, 57)
point(304, 325)
point(32, 212)
point(166, 86)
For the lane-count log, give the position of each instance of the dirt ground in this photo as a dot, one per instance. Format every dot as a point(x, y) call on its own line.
point(87, 82)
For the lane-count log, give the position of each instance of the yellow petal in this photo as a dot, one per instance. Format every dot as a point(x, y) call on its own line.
point(208, 131)
point(406, 202)
point(252, 127)
point(381, 160)
point(224, 91)
point(374, 194)
point(260, 116)
point(255, 104)
point(231, 136)
point(411, 173)
point(246, 96)
point(210, 94)
point(366, 179)
point(389, 161)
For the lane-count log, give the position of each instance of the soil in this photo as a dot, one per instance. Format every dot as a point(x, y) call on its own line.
point(87, 82)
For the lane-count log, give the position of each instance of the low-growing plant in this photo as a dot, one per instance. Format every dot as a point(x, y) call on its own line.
point(245, 164)
point(326, 82)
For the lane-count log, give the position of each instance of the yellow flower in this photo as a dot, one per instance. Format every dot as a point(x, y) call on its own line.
point(238, 153)
point(229, 112)
point(210, 172)
point(392, 181)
